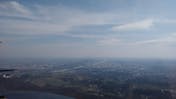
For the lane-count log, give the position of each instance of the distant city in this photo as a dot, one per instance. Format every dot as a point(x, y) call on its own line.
point(93, 78)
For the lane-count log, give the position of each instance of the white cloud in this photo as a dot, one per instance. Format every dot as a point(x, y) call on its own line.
point(139, 25)
point(13, 8)
point(109, 41)
point(47, 19)
point(171, 39)
point(32, 28)
point(166, 21)
point(90, 36)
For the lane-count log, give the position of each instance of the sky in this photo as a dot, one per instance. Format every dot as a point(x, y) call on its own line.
point(88, 28)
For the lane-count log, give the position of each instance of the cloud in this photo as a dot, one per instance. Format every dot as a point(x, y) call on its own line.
point(139, 25)
point(109, 41)
point(166, 21)
point(171, 39)
point(32, 28)
point(86, 36)
point(46, 19)
point(13, 9)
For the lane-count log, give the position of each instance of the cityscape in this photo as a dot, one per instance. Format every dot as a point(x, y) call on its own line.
point(93, 78)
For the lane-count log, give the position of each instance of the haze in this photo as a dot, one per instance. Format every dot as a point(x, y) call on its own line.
point(88, 28)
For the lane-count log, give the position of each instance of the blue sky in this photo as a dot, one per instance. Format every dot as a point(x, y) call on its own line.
point(88, 28)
